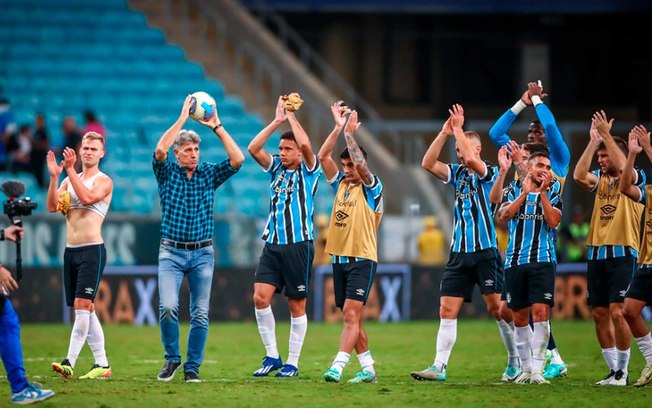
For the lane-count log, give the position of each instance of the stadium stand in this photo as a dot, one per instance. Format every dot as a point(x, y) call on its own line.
point(64, 57)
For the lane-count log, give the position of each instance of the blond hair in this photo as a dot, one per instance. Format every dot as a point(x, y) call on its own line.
point(94, 136)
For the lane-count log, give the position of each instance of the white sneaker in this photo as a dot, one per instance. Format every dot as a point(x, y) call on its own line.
point(523, 377)
point(620, 379)
point(607, 379)
point(537, 378)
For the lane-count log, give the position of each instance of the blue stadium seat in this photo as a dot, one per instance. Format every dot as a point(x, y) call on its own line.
point(134, 81)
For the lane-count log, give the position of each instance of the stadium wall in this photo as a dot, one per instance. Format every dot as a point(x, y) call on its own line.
point(129, 295)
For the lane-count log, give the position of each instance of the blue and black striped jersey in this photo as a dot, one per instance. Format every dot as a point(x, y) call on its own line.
point(530, 237)
point(473, 219)
point(292, 203)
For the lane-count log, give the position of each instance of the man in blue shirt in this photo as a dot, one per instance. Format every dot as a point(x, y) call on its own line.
point(532, 209)
point(286, 261)
point(186, 188)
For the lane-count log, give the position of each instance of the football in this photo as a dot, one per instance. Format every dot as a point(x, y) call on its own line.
point(202, 106)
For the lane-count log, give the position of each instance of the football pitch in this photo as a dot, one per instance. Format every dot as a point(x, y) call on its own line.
point(234, 351)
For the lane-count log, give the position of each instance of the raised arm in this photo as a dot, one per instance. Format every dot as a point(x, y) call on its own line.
point(626, 185)
point(644, 140)
point(53, 192)
point(498, 132)
point(255, 148)
point(468, 151)
point(167, 140)
point(325, 154)
point(430, 160)
point(559, 152)
point(357, 157)
point(302, 139)
point(603, 125)
point(102, 187)
point(518, 158)
point(504, 163)
point(236, 157)
point(582, 175)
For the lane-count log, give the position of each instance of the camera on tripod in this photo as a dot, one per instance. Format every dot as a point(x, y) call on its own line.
point(15, 208)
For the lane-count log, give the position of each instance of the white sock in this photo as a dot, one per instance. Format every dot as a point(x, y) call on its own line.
point(556, 357)
point(298, 328)
point(367, 362)
point(609, 355)
point(523, 338)
point(446, 338)
point(622, 359)
point(539, 345)
point(645, 345)
point(95, 340)
point(78, 335)
point(267, 330)
point(507, 334)
point(341, 360)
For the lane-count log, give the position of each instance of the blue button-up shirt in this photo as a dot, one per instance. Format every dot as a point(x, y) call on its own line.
point(187, 204)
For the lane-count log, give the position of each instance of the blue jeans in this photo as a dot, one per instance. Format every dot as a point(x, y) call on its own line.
point(10, 347)
point(198, 266)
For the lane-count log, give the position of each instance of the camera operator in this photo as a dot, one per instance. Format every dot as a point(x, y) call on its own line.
point(22, 391)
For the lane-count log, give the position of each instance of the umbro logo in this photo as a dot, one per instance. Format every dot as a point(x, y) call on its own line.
point(489, 282)
point(509, 297)
point(301, 288)
point(623, 293)
point(608, 209)
point(340, 215)
point(359, 292)
point(89, 291)
point(547, 296)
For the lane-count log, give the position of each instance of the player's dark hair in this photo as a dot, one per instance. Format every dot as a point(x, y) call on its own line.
point(620, 142)
point(534, 155)
point(289, 135)
point(346, 155)
point(534, 147)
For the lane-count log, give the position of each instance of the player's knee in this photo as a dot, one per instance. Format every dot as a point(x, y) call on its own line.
point(261, 301)
point(616, 312)
point(351, 318)
point(83, 304)
point(600, 314)
point(494, 310)
point(630, 315)
point(505, 312)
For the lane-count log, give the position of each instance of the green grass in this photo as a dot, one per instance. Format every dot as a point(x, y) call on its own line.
point(234, 351)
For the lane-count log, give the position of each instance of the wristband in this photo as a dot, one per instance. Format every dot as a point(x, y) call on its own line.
point(217, 127)
point(536, 99)
point(518, 107)
point(2, 234)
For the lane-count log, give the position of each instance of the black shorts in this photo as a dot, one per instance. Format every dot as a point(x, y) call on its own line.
point(530, 283)
point(353, 281)
point(641, 286)
point(82, 270)
point(464, 270)
point(607, 280)
point(287, 266)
